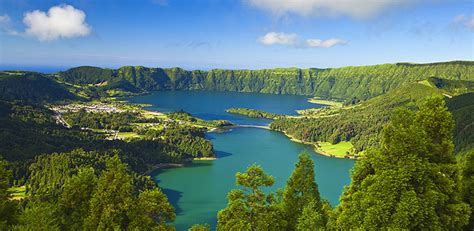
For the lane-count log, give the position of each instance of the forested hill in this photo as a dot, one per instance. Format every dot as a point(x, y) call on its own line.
point(361, 124)
point(360, 82)
point(31, 87)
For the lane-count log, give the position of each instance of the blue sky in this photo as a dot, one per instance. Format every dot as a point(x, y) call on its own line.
point(238, 34)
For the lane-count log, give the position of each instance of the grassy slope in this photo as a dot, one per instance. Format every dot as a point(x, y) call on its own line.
point(340, 149)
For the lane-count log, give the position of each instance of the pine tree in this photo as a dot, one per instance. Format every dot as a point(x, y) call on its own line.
point(74, 201)
point(199, 227)
point(250, 208)
point(311, 218)
point(7, 207)
point(412, 181)
point(301, 189)
point(467, 178)
point(112, 199)
point(152, 211)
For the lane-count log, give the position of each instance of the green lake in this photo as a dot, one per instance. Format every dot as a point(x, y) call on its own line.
point(199, 190)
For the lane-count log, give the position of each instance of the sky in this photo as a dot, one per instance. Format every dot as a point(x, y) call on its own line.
point(232, 34)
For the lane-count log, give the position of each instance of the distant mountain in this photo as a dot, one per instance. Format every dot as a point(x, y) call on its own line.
point(361, 82)
point(32, 87)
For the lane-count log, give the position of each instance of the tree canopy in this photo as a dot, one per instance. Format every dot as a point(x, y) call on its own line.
point(412, 181)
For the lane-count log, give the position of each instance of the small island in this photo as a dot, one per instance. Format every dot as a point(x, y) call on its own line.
point(253, 113)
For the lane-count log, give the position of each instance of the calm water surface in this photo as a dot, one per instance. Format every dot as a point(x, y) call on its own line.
point(200, 190)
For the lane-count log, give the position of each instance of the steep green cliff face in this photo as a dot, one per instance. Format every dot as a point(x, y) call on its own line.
point(347, 82)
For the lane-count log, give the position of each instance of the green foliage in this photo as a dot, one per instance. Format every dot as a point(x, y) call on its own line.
point(152, 211)
point(113, 121)
point(29, 130)
point(311, 217)
point(186, 117)
point(74, 200)
point(39, 216)
point(113, 204)
point(462, 108)
point(301, 190)
point(7, 207)
point(94, 191)
point(86, 75)
point(112, 199)
point(253, 113)
point(455, 87)
point(250, 208)
point(199, 227)
point(31, 87)
point(412, 181)
point(183, 116)
point(467, 185)
point(360, 124)
point(188, 140)
point(49, 173)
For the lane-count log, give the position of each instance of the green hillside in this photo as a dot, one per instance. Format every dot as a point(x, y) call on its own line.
point(32, 87)
point(362, 124)
point(462, 108)
point(361, 82)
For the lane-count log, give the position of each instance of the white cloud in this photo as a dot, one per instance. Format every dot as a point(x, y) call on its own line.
point(325, 43)
point(273, 38)
point(292, 39)
point(4, 19)
point(465, 21)
point(5, 25)
point(353, 8)
point(63, 21)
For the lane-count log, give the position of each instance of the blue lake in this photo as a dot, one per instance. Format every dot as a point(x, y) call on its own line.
point(199, 191)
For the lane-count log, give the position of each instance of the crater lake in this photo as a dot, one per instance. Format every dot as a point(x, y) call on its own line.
point(198, 191)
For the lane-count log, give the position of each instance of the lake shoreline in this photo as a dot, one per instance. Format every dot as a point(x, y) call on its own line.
point(316, 149)
point(178, 165)
point(327, 102)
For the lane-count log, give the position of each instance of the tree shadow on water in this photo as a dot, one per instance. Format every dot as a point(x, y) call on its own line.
point(222, 154)
point(173, 197)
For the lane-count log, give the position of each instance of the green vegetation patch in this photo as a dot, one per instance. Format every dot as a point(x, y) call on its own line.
point(253, 113)
point(17, 192)
point(325, 102)
point(341, 149)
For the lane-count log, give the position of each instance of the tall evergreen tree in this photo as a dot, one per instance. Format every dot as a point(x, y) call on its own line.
point(74, 201)
point(311, 217)
point(301, 189)
point(7, 207)
point(152, 211)
point(200, 227)
point(250, 208)
point(112, 199)
point(412, 181)
point(39, 216)
point(467, 178)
